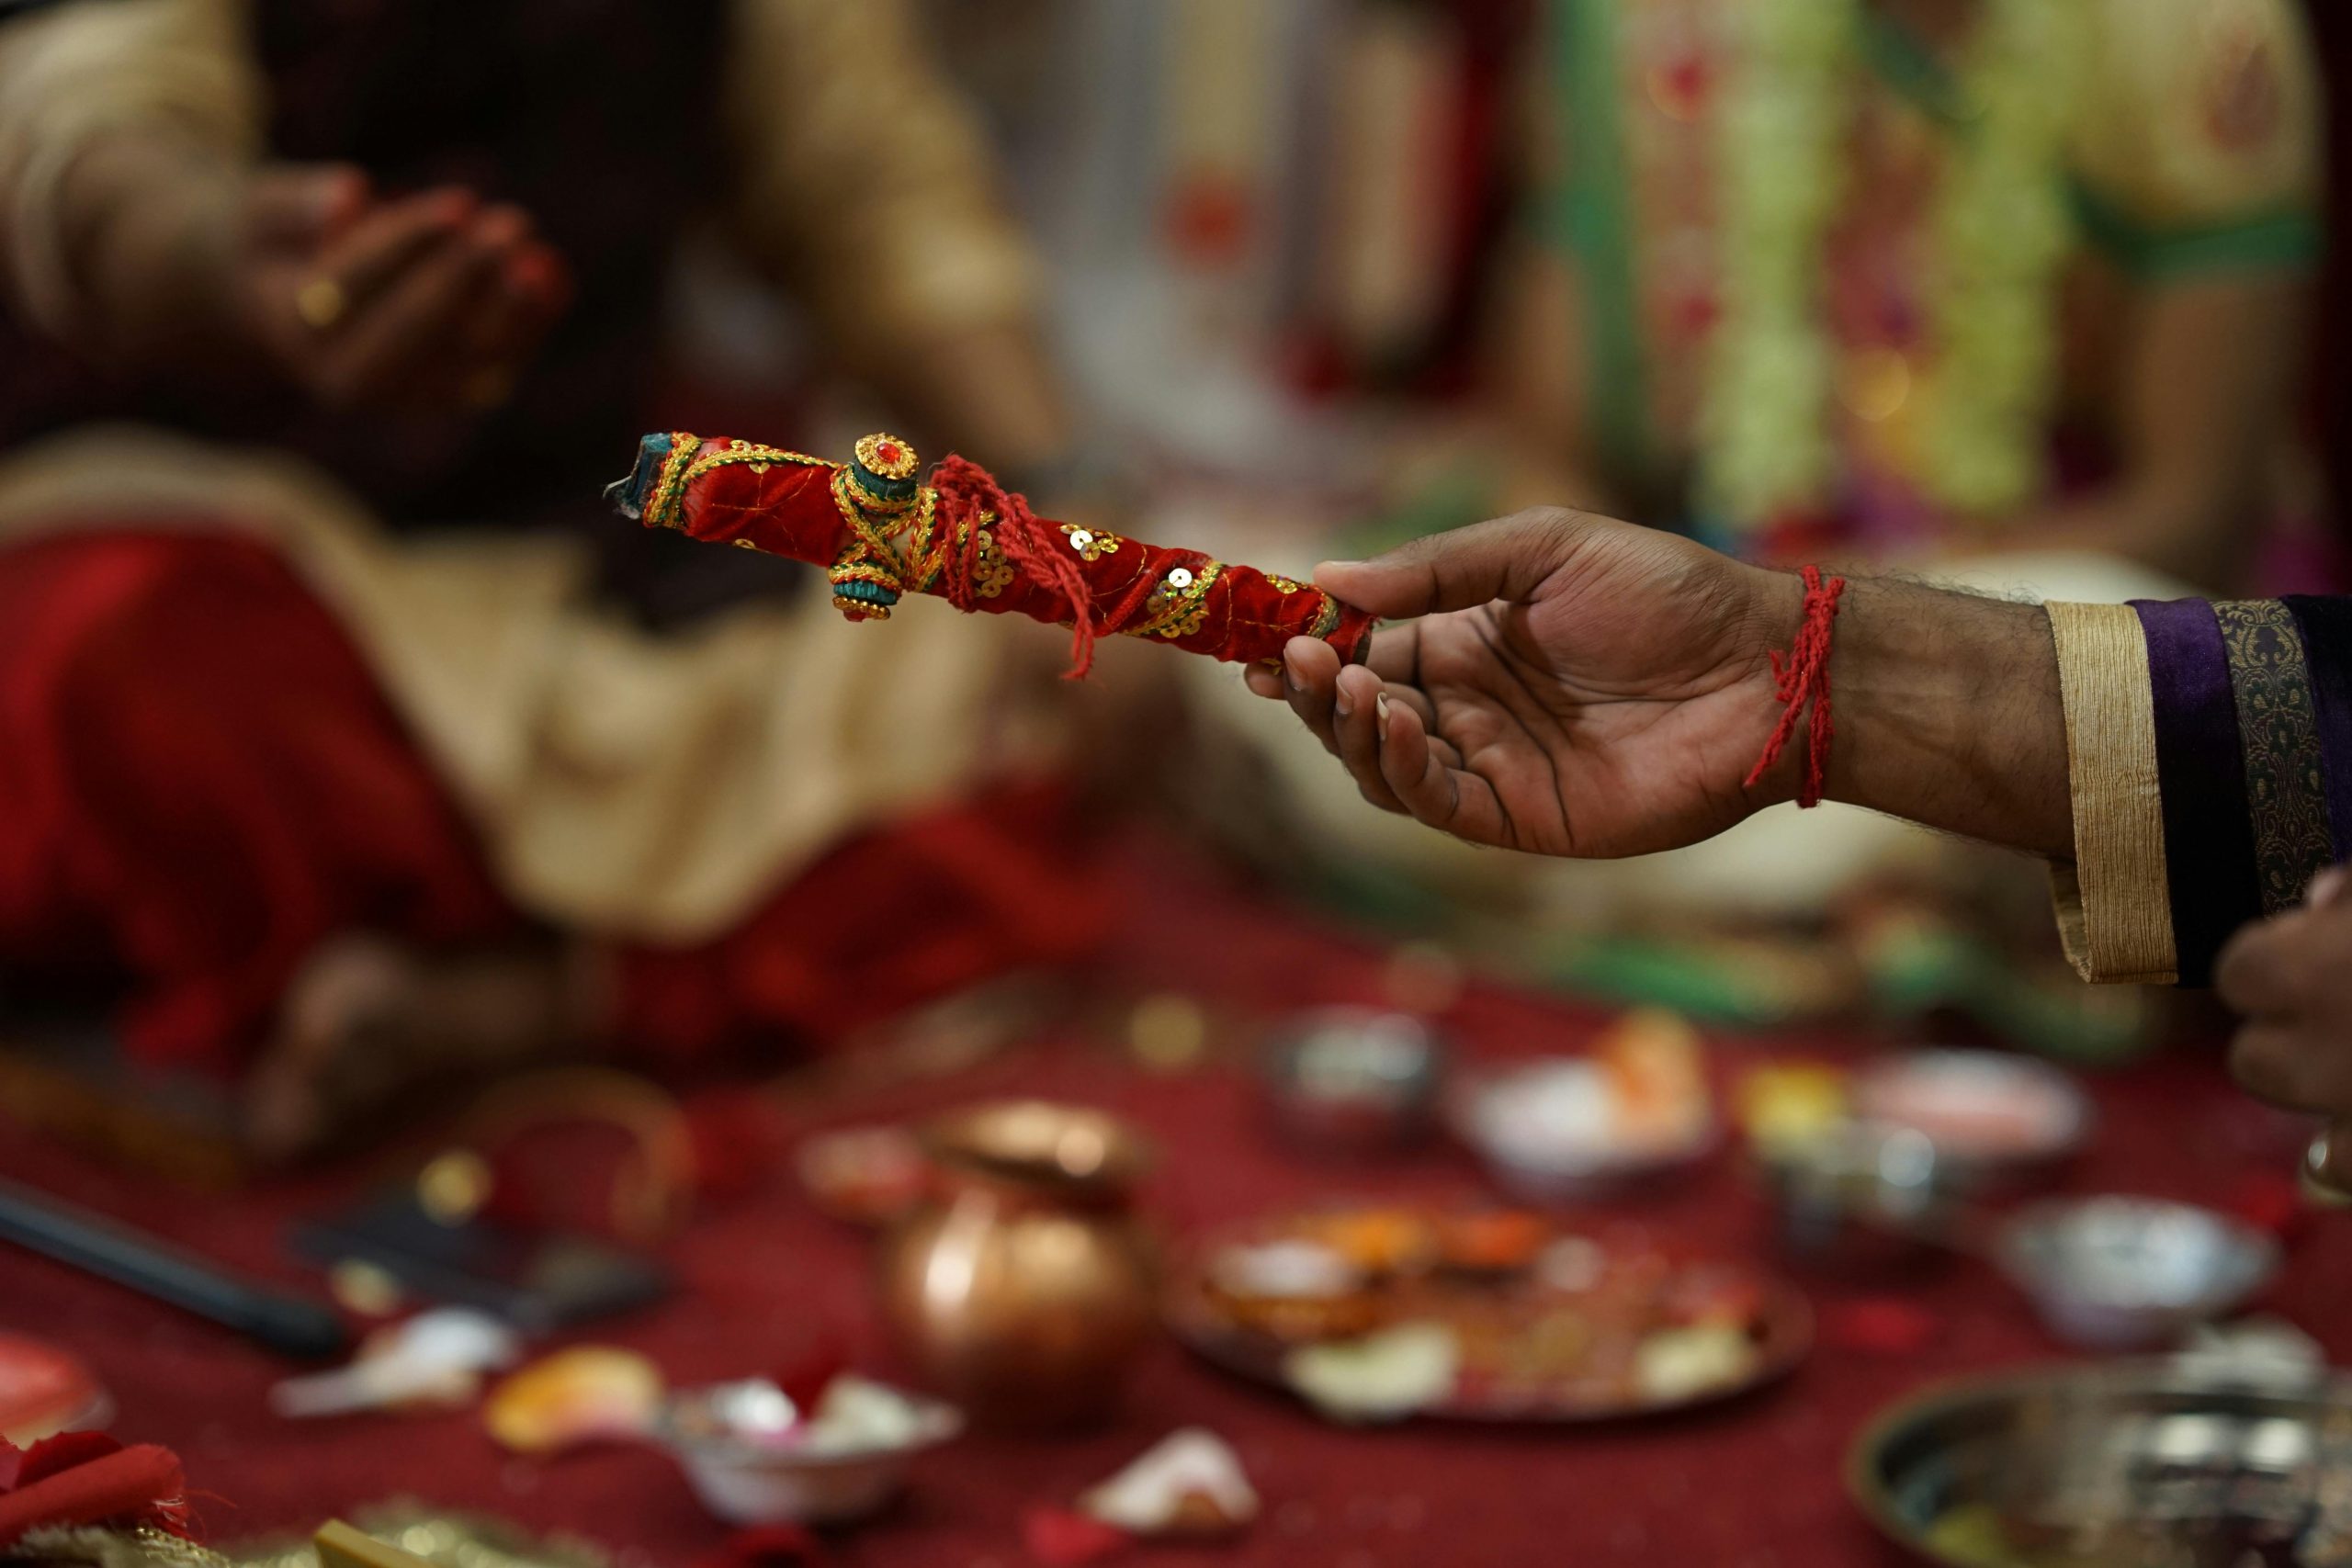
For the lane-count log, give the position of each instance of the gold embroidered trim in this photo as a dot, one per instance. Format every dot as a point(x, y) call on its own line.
point(2286, 794)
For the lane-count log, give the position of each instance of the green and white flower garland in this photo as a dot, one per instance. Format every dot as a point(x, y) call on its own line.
point(2000, 228)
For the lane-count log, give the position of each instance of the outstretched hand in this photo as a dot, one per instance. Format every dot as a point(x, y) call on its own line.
point(1558, 683)
point(430, 301)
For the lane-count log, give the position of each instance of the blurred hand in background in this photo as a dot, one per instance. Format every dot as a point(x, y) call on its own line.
point(405, 302)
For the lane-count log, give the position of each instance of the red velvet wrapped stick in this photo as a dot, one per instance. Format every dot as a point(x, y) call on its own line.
point(881, 533)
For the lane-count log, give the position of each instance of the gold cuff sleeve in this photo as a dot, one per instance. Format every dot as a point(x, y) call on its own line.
point(2114, 906)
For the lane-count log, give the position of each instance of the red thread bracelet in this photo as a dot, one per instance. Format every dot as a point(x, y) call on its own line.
point(1803, 677)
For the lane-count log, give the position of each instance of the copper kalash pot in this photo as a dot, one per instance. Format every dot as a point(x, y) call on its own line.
point(1025, 1289)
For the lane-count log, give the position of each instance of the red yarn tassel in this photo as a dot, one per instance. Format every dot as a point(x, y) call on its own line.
point(1804, 678)
point(966, 489)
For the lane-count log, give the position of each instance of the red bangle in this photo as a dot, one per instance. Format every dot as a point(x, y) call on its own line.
point(1804, 678)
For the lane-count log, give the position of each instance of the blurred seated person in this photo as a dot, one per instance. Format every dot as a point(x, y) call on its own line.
point(325, 800)
point(1911, 279)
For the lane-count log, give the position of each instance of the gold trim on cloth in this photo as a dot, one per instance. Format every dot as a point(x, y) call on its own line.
point(2286, 795)
point(2114, 901)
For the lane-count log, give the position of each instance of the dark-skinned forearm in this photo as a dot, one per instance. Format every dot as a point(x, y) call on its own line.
point(1948, 713)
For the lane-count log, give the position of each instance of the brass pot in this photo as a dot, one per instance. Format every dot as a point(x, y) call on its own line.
point(1025, 1289)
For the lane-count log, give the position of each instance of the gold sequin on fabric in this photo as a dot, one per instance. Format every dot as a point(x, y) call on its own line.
point(1180, 604)
point(1281, 584)
point(992, 570)
point(1092, 544)
point(2286, 794)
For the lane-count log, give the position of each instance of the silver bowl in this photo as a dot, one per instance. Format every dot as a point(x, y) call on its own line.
point(1862, 1198)
point(2120, 1273)
point(1355, 1079)
point(740, 1446)
point(1565, 1174)
point(1937, 1092)
point(2133, 1462)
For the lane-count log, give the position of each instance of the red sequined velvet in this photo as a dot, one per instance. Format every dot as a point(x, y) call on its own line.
point(965, 540)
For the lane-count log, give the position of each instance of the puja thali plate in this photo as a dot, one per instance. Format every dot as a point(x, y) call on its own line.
point(2158, 1461)
point(1382, 1313)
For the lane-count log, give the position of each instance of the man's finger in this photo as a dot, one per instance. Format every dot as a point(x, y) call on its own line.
point(1437, 796)
point(1359, 709)
point(2299, 1066)
point(1310, 680)
point(515, 313)
point(1414, 775)
point(2261, 972)
point(1507, 559)
point(1265, 680)
point(416, 326)
point(380, 247)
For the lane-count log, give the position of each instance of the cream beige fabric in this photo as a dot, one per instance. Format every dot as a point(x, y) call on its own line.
point(2114, 905)
point(171, 68)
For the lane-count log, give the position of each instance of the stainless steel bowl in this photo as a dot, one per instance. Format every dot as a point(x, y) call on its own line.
point(2121, 1273)
point(752, 1461)
point(1948, 1094)
point(2136, 1463)
point(1567, 1172)
point(1861, 1199)
point(1354, 1079)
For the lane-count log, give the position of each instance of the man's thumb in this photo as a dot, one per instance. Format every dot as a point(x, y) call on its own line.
point(1506, 559)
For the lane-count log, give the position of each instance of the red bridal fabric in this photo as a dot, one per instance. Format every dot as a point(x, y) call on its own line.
point(87, 1478)
point(730, 492)
point(200, 781)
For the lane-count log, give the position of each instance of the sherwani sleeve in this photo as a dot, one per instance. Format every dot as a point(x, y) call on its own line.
point(2209, 758)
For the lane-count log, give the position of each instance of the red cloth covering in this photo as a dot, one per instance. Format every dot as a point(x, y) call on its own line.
point(970, 543)
point(200, 781)
point(87, 1478)
point(1752, 1484)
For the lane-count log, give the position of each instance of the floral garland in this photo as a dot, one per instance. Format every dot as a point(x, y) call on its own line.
point(2000, 228)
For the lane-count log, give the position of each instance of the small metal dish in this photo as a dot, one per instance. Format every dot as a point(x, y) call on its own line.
point(1567, 1171)
point(1862, 1198)
point(2148, 1461)
point(753, 1459)
point(1354, 1079)
point(2121, 1273)
point(1996, 1119)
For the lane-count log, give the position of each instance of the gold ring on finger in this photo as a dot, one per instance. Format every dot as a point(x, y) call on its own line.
point(320, 303)
point(2321, 1180)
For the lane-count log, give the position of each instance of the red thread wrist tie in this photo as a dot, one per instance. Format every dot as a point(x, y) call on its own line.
point(1804, 678)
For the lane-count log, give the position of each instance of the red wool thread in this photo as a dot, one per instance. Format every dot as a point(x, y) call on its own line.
point(1804, 678)
point(966, 489)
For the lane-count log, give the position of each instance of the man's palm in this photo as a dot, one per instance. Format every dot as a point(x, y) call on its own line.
point(1606, 698)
